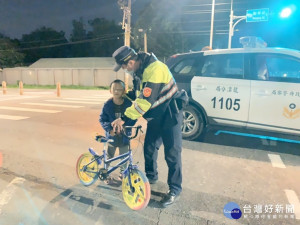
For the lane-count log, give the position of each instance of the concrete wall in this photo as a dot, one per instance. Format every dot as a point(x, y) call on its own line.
point(1, 76)
point(45, 76)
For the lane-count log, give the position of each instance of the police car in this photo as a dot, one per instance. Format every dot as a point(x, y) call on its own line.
point(252, 88)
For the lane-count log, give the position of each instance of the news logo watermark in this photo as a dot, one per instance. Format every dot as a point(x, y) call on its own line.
point(259, 211)
point(269, 211)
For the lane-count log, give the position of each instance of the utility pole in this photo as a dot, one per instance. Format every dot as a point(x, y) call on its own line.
point(126, 23)
point(232, 26)
point(145, 39)
point(126, 26)
point(145, 42)
point(212, 23)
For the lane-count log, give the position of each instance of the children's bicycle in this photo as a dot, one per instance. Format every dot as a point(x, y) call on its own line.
point(135, 185)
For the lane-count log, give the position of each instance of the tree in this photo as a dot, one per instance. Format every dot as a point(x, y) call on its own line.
point(80, 46)
point(105, 36)
point(166, 35)
point(9, 56)
point(44, 43)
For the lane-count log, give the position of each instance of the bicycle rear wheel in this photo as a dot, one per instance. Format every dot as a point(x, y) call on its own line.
point(139, 197)
point(87, 175)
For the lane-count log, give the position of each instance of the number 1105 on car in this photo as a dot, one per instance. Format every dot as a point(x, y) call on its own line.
point(226, 103)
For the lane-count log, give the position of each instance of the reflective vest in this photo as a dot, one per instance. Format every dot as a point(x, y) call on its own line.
point(155, 91)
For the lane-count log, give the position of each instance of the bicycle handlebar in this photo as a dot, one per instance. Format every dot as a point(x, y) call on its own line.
point(137, 128)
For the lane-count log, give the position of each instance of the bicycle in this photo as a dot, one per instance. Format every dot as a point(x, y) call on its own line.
point(135, 185)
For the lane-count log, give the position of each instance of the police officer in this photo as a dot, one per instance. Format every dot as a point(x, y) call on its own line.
point(153, 93)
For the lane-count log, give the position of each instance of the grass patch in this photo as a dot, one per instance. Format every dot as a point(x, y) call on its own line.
point(29, 86)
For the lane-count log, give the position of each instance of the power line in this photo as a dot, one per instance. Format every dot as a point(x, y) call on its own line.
point(58, 39)
point(58, 45)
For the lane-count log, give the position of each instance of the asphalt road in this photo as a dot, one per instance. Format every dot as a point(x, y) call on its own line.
point(42, 136)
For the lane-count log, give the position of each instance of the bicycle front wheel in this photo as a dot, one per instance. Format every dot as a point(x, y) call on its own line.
point(138, 197)
point(87, 171)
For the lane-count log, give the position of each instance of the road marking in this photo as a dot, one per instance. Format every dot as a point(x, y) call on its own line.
point(78, 102)
point(99, 97)
point(8, 117)
point(276, 161)
point(7, 98)
point(293, 200)
point(56, 105)
point(29, 110)
point(9, 191)
point(39, 92)
point(104, 95)
point(83, 99)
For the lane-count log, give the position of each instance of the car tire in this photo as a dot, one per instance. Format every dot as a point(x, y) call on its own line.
point(193, 125)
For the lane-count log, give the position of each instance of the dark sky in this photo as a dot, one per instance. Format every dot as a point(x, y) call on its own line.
point(19, 17)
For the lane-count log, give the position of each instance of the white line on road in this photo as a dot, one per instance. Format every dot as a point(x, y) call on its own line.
point(98, 97)
point(76, 102)
point(106, 95)
point(55, 105)
point(83, 99)
point(39, 92)
point(7, 98)
point(8, 192)
point(29, 110)
point(276, 161)
point(293, 200)
point(8, 117)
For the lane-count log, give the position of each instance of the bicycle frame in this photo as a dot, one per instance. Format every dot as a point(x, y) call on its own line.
point(136, 189)
point(127, 157)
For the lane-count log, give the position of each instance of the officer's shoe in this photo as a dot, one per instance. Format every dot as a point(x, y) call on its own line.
point(169, 198)
point(152, 181)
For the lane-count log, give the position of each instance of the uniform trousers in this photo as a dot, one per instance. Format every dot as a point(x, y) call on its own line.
point(165, 130)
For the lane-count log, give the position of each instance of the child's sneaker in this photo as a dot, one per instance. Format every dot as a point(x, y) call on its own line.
point(108, 181)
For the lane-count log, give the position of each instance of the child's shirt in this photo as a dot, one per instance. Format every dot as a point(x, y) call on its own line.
point(111, 112)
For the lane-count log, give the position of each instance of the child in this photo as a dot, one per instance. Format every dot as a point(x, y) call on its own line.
point(114, 108)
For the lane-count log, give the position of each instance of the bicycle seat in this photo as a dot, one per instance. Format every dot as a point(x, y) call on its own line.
point(103, 139)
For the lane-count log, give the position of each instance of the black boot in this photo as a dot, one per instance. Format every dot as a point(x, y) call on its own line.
point(169, 198)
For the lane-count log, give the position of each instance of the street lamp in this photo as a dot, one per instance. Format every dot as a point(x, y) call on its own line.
point(232, 26)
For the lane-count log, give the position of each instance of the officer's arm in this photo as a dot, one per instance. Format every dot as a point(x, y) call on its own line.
point(144, 101)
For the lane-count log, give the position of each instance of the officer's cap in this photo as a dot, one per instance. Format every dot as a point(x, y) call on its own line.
point(122, 55)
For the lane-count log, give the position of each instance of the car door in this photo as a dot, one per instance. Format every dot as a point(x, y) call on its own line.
point(184, 68)
point(275, 93)
point(220, 88)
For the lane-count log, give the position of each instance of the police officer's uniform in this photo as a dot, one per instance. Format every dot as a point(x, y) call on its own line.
point(154, 90)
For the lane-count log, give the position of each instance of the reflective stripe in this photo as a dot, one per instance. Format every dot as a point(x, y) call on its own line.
point(167, 86)
point(166, 97)
point(136, 106)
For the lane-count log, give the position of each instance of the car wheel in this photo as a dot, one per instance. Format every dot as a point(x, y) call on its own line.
point(193, 123)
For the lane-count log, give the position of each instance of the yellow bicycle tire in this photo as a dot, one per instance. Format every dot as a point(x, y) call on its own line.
point(140, 198)
point(87, 178)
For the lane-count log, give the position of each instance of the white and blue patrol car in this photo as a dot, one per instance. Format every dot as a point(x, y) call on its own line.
point(251, 88)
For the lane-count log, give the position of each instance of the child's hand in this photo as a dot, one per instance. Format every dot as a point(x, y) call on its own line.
point(112, 133)
point(117, 125)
